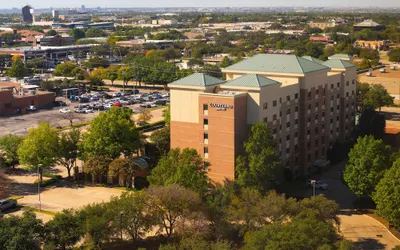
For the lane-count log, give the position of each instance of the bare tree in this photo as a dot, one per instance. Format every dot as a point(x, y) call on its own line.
point(71, 117)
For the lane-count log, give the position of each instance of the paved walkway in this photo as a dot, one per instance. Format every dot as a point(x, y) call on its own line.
point(366, 232)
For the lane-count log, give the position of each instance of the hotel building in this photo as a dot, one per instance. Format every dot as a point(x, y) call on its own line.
point(307, 103)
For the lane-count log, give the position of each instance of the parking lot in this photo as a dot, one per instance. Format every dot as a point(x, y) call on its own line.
point(19, 125)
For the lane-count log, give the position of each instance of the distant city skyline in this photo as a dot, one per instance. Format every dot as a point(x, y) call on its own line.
point(204, 3)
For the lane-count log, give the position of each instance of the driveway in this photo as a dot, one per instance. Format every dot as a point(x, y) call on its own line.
point(366, 232)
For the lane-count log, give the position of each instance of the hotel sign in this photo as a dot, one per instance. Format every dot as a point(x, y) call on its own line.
point(221, 107)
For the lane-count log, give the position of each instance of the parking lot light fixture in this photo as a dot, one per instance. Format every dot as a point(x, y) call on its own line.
point(120, 221)
point(38, 179)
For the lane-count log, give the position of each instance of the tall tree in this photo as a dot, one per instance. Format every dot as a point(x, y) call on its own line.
point(185, 168)
point(387, 195)
point(172, 203)
point(145, 115)
point(64, 230)
point(368, 160)
point(17, 69)
point(39, 148)
point(371, 122)
point(111, 134)
point(377, 97)
point(9, 145)
point(125, 168)
point(161, 138)
point(394, 55)
point(136, 220)
point(260, 167)
point(68, 149)
point(77, 34)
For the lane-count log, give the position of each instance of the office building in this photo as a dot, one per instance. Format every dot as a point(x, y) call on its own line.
point(27, 16)
point(308, 105)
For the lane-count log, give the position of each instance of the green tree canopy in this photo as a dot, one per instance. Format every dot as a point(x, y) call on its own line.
point(95, 32)
point(111, 134)
point(9, 145)
point(97, 166)
point(368, 160)
point(17, 69)
point(21, 232)
point(64, 230)
point(67, 69)
point(394, 55)
point(39, 148)
point(260, 167)
point(185, 168)
point(68, 149)
point(377, 97)
point(387, 195)
point(161, 139)
point(123, 167)
point(51, 33)
point(77, 34)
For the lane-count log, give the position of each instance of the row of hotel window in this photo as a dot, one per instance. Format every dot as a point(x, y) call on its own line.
point(274, 103)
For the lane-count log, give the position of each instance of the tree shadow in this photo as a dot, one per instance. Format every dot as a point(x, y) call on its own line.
point(22, 189)
point(369, 244)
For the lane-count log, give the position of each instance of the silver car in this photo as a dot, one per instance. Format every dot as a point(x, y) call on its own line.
point(7, 204)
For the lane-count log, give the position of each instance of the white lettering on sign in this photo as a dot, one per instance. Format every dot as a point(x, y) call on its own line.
point(221, 107)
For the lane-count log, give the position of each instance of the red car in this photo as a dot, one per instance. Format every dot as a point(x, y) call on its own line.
point(117, 104)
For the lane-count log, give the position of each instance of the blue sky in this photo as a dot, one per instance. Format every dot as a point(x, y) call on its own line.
point(203, 3)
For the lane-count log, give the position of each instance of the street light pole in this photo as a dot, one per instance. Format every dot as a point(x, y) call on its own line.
point(313, 183)
point(38, 176)
point(120, 221)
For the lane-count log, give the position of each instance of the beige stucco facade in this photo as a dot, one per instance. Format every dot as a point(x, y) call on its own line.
point(306, 113)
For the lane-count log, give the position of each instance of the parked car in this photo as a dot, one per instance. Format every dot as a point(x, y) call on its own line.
point(31, 108)
point(7, 204)
point(318, 185)
point(117, 104)
point(64, 110)
point(141, 123)
point(161, 102)
point(117, 94)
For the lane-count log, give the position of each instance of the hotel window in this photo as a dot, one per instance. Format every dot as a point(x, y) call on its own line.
point(323, 102)
point(353, 81)
point(347, 94)
point(296, 134)
point(309, 119)
point(316, 105)
point(205, 109)
point(280, 100)
point(323, 139)
point(347, 105)
point(296, 96)
point(280, 113)
point(274, 103)
point(309, 158)
point(205, 136)
point(323, 91)
point(338, 84)
point(347, 116)
point(309, 106)
point(337, 118)
point(308, 145)
point(265, 119)
point(316, 117)
point(288, 151)
point(265, 105)
point(296, 109)
point(296, 121)
point(317, 91)
point(316, 154)
point(205, 152)
point(331, 132)
point(331, 109)
point(352, 92)
point(323, 114)
point(274, 131)
point(288, 98)
point(308, 132)
point(205, 123)
point(338, 107)
point(316, 143)
point(337, 129)
point(274, 117)
point(288, 124)
point(332, 86)
point(332, 98)
point(309, 94)
point(331, 120)
point(347, 83)
point(288, 138)
point(288, 111)
point(338, 95)
point(316, 130)
point(280, 127)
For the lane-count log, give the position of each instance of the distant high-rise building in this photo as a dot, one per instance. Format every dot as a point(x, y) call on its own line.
point(26, 14)
point(56, 14)
point(83, 7)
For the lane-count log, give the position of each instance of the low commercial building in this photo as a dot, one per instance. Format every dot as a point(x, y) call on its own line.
point(368, 24)
point(15, 98)
point(375, 45)
point(52, 55)
point(308, 105)
point(322, 25)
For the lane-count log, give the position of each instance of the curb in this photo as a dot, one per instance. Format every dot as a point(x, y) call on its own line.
point(383, 226)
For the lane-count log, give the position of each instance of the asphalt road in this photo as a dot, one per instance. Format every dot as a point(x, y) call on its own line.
point(19, 125)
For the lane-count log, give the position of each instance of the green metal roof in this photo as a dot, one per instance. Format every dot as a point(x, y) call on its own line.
point(338, 56)
point(277, 63)
point(198, 80)
point(338, 64)
point(313, 59)
point(251, 80)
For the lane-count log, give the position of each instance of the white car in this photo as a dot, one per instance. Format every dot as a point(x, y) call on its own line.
point(318, 185)
point(31, 108)
point(64, 111)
